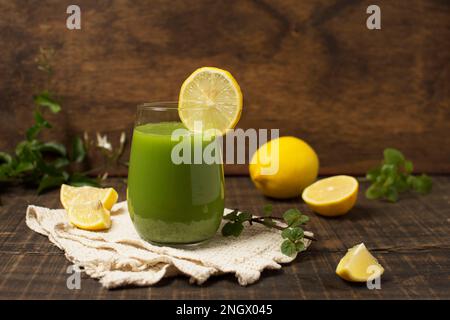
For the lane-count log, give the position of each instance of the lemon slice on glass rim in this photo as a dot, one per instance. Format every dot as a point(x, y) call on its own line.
point(210, 99)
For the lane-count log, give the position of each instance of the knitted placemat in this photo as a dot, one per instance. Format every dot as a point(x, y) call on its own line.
point(119, 257)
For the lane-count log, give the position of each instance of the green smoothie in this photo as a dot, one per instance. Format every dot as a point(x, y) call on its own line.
point(172, 203)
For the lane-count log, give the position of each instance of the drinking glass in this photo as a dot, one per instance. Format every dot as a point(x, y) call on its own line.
point(171, 202)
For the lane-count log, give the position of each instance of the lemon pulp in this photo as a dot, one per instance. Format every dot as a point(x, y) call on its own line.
point(332, 196)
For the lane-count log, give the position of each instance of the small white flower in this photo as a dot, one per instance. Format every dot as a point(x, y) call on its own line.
point(103, 142)
point(104, 176)
point(123, 136)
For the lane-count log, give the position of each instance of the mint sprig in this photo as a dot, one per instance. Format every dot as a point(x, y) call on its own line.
point(43, 164)
point(291, 230)
point(394, 176)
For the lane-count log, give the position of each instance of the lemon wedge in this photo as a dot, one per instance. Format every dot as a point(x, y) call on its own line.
point(89, 215)
point(210, 99)
point(333, 196)
point(70, 195)
point(358, 265)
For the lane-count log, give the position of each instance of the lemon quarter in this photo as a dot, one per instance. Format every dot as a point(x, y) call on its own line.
point(212, 98)
point(89, 215)
point(70, 195)
point(333, 196)
point(358, 265)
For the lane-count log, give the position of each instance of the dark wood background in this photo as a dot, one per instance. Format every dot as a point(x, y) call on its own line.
point(310, 68)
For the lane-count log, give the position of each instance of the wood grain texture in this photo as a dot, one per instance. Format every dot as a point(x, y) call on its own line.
point(411, 239)
point(309, 68)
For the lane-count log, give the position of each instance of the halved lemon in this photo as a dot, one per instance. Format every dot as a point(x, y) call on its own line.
point(89, 215)
point(210, 99)
point(359, 265)
point(333, 196)
point(68, 195)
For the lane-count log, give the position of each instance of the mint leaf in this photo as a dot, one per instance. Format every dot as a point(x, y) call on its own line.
point(40, 123)
point(372, 174)
point(244, 216)
point(33, 131)
point(23, 167)
point(5, 172)
point(292, 217)
point(232, 215)
point(44, 100)
point(426, 184)
point(422, 184)
point(232, 229)
point(40, 120)
point(300, 246)
point(285, 234)
point(5, 157)
point(393, 156)
point(53, 147)
point(60, 163)
point(374, 192)
point(78, 150)
point(303, 219)
point(288, 248)
point(409, 167)
point(292, 234)
point(401, 184)
point(390, 180)
point(391, 194)
point(50, 182)
point(22, 149)
point(388, 170)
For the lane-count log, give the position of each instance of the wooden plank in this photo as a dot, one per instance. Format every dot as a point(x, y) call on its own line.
point(410, 239)
point(409, 276)
point(309, 68)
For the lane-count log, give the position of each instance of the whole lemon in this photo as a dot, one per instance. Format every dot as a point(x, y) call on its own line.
point(283, 167)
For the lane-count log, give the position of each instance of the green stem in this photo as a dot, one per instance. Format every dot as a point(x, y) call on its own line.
point(260, 221)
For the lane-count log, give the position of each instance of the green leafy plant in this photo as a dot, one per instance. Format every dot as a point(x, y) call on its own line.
point(289, 225)
point(44, 164)
point(394, 176)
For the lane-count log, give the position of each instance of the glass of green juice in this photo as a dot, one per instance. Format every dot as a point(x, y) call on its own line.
point(172, 203)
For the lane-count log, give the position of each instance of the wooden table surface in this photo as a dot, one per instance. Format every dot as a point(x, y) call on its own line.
point(411, 239)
